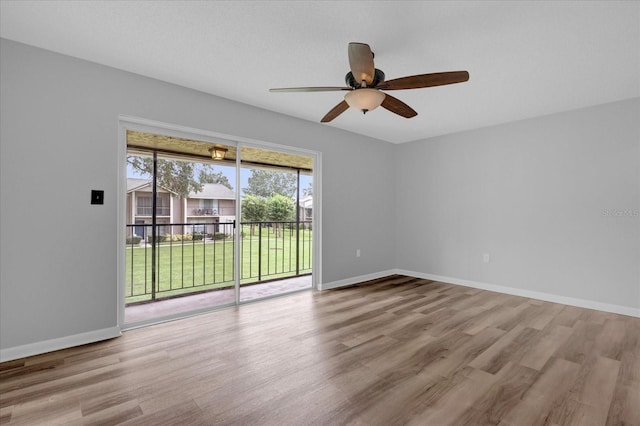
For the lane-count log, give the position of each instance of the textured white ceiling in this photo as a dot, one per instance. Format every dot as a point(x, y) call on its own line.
point(525, 58)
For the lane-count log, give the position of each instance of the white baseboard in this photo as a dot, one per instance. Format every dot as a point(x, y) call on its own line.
point(111, 332)
point(57, 344)
point(581, 303)
point(355, 280)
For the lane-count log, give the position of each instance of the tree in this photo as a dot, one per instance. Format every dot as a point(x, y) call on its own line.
point(280, 209)
point(265, 183)
point(209, 175)
point(173, 175)
point(308, 190)
point(254, 209)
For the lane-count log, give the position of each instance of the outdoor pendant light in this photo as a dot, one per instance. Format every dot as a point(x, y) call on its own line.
point(218, 153)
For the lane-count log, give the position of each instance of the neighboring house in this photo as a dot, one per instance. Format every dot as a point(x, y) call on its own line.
point(305, 206)
point(215, 203)
point(203, 210)
point(140, 207)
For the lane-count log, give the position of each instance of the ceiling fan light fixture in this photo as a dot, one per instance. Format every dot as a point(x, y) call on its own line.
point(218, 153)
point(364, 99)
point(364, 84)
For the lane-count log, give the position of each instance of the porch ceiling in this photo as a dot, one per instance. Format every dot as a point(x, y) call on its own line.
point(200, 150)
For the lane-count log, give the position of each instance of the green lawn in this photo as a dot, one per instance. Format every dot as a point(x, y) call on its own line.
point(189, 266)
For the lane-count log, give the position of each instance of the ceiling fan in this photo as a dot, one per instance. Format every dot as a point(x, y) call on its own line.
point(365, 84)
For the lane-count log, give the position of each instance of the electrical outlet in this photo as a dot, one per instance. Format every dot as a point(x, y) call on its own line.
point(357, 252)
point(486, 258)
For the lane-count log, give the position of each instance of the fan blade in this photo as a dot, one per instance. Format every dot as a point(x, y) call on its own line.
point(398, 107)
point(336, 111)
point(425, 80)
point(361, 63)
point(310, 89)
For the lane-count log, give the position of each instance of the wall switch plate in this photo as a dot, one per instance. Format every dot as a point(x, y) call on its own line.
point(486, 258)
point(97, 196)
point(357, 252)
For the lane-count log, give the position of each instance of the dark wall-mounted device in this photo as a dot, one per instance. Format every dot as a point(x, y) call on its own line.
point(97, 196)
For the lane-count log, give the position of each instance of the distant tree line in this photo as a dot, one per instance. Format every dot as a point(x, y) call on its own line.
point(276, 208)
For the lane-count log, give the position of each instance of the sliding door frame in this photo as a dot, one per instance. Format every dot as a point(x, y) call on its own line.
point(316, 219)
point(126, 123)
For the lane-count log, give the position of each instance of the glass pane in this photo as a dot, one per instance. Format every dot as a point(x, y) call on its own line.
point(276, 234)
point(187, 262)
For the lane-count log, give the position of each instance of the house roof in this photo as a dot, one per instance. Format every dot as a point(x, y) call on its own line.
point(214, 191)
point(135, 184)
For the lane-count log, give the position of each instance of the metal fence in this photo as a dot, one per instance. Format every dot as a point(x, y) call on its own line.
point(188, 258)
point(275, 249)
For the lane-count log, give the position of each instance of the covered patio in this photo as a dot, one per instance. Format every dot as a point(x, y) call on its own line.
point(162, 308)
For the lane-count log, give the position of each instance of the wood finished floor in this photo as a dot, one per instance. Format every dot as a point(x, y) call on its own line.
point(397, 350)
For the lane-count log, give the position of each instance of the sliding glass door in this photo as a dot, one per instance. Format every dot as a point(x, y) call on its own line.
point(210, 223)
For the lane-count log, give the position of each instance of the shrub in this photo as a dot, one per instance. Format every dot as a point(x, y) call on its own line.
point(180, 237)
point(219, 236)
point(134, 240)
point(196, 236)
point(159, 238)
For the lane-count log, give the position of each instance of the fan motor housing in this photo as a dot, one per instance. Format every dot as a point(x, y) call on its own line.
point(350, 80)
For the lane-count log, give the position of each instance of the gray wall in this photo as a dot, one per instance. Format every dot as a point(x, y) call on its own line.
point(58, 140)
point(554, 200)
point(532, 194)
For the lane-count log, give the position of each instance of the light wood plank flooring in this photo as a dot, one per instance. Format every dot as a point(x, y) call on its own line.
point(397, 350)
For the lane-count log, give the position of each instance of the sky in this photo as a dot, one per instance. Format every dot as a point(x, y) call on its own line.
point(230, 173)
